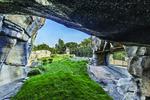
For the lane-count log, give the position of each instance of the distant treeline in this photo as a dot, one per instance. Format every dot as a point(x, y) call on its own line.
point(82, 49)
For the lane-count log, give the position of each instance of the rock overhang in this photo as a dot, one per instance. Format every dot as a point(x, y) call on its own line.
point(122, 21)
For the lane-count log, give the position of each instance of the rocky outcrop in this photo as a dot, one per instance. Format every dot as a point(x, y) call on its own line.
point(102, 49)
point(111, 20)
point(98, 46)
point(139, 67)
point(36, 55)
point(139, 62)
point(16, 35)
point(125, 21)
point(15, 32)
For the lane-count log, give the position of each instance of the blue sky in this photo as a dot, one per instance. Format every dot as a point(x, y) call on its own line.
point(52, 31)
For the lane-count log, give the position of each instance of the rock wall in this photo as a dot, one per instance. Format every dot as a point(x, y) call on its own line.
point(139, 67)
point(16, 35)
point(139, 63)
point(102, 49)
point(98, 46)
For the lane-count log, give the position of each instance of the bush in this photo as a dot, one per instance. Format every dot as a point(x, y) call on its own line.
point(53, 55)
point(46, 60)
point(49, 60)
point(42, 68)
point(71, 56)
point(119, 55)
point(35, 71)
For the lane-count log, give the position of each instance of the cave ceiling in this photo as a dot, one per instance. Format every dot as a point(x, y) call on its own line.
point(126, 21)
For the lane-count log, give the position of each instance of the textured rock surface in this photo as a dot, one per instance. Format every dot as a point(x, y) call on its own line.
point(140, 66)
point(35, 55)
point(15, 32)
point(6, 45)
point(10, 89)
point(16, 35)
point(113, 20)
point(102, 49)
point(116, 81)
point(125, 21)
point(98, 46)
point(18, 55)
point(10, 73)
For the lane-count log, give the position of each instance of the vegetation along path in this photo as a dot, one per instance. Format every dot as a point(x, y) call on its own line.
point(62, 79)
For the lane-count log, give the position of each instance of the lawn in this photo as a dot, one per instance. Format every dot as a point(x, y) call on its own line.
point(62, 80)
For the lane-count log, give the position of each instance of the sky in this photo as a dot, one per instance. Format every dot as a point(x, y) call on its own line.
point(52, 31)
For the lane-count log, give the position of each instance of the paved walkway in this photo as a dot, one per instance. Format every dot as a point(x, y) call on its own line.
point(116, 81)
point(10, 89)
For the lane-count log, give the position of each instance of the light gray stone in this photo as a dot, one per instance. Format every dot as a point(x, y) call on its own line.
point(135, 67)
point(6, 44)
point(15, 31)
point(131, 50)
point(11, 73)
point(141, 51)
point(18, 55)
point(140, 67)
point(146, 83)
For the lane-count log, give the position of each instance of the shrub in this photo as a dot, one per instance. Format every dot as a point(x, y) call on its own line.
point(49, 60)
point(53, 55)
point(34, 71)
point(42, 68)
point(46, 60)
point(119, 55)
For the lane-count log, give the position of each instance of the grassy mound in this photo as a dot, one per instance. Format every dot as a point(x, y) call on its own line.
point(63, 80)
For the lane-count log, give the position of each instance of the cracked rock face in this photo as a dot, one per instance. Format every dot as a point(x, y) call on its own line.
point(140, 66)
point(17, 33)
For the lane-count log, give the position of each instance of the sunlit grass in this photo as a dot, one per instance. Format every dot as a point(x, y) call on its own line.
point(63, 80)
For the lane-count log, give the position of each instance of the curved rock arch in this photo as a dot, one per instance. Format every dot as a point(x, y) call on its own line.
point(112, 20)
point(121, 21)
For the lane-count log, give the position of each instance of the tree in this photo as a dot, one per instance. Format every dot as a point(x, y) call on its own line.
point(85, 49)
point(120, 55)
point(72, 47)
point(41, 47)
point(53, 50)
point(60, 47)
point(86, 42)
point(44, 47)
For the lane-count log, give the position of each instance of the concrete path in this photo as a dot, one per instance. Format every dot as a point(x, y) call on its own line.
point(116, 81)
point(10, 89)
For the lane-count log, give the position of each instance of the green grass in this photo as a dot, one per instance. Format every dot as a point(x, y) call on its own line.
point(63, 80)
point(58, 57)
